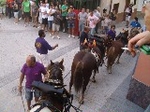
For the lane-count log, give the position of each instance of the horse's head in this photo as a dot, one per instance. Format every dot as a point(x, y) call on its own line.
point(133, 32)
point(122, 35)
point(55, 72)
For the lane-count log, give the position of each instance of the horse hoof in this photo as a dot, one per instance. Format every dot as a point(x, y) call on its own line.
point(93, 80)
point(118, 62)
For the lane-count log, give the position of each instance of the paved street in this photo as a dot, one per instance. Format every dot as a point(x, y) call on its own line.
point(108, 94)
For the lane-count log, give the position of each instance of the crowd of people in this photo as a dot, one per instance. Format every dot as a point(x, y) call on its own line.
point(60, 16)
point(49, 17)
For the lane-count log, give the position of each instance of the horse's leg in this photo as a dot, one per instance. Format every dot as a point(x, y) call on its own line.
point(93, 78)
point(118, 58)
point(71, 83)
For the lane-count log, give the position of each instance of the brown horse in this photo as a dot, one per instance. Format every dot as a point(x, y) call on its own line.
point(114, 50)
point(84, 63)
point(53, 90)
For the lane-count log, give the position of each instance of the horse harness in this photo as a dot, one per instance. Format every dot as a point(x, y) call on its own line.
point(64, 96)
point(97, 57)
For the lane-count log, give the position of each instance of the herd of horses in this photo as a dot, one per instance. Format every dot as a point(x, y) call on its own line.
point(55, 98)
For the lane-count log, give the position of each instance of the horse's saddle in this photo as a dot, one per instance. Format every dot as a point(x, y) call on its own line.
point(46, 88)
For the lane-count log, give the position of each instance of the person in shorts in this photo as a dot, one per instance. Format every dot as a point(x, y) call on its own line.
point(64, 10)
point(44, 11)
point(50, 12)
point(56, 23)
point(32, 71)
point(26, 11)
point(128, 13)
point(82, 16)
point(16, 11)
point(71, 22)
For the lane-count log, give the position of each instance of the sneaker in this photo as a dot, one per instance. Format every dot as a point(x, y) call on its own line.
point(69, 36)
point(58, 37)
point(53, 37)
point(20, 18)
point(73, 36)
point(63, 30)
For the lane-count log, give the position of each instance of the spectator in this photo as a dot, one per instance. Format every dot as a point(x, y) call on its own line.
point(58, 5)
point(97, 14)
point(92, 21)
point(42, 48)
point(64, 10)
point(34, 14)
point(112, 33)
point(83, 37)
point(113, 16)
point(26, 10)
point(47, 4)
point(50, 12)
point(32, 71)
point(82, 16)
point(44, 11)
point(103, 18)
point(9, 6)
point(128, 13)
point(40, 14)
point(135, 23)
point(56, 23)
point(16, 11)
point(71, 22)
point(106, 24)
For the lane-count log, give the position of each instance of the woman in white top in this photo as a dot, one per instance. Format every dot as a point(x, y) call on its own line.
point(50, 12)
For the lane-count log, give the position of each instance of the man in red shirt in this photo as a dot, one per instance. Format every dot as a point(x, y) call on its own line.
point(9, 8)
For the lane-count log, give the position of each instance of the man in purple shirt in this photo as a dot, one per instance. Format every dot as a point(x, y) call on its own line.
point(32, 71)
point(42, 47)
point(112, 33)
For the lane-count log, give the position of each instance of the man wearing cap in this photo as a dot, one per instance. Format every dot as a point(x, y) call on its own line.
point(42, 47)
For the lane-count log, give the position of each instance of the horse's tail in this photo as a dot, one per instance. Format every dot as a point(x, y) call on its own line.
point(111, 56)
point(78, 76)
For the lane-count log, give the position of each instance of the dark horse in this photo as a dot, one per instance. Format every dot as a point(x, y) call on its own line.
point(53, 91)
point(114, 50)
point(84, 63)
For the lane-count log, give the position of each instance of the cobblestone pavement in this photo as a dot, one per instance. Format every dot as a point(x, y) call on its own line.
point(106, 95)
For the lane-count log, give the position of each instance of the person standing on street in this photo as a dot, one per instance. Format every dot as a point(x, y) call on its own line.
point(56, 23)
point(42, 47)
point(82, 16)
point(92, 21)
point(26, 11)
point(128, 13)
point(64, 10)
point(71, 16)
point(32, 71)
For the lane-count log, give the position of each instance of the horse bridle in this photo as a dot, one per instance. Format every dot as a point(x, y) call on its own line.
point(97, 57)
point(54, 81)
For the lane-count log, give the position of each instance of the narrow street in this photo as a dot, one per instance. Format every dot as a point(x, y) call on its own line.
point(108, 94)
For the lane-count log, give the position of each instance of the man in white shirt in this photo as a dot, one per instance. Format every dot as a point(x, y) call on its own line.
point(50, 13)
point(44, 10)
